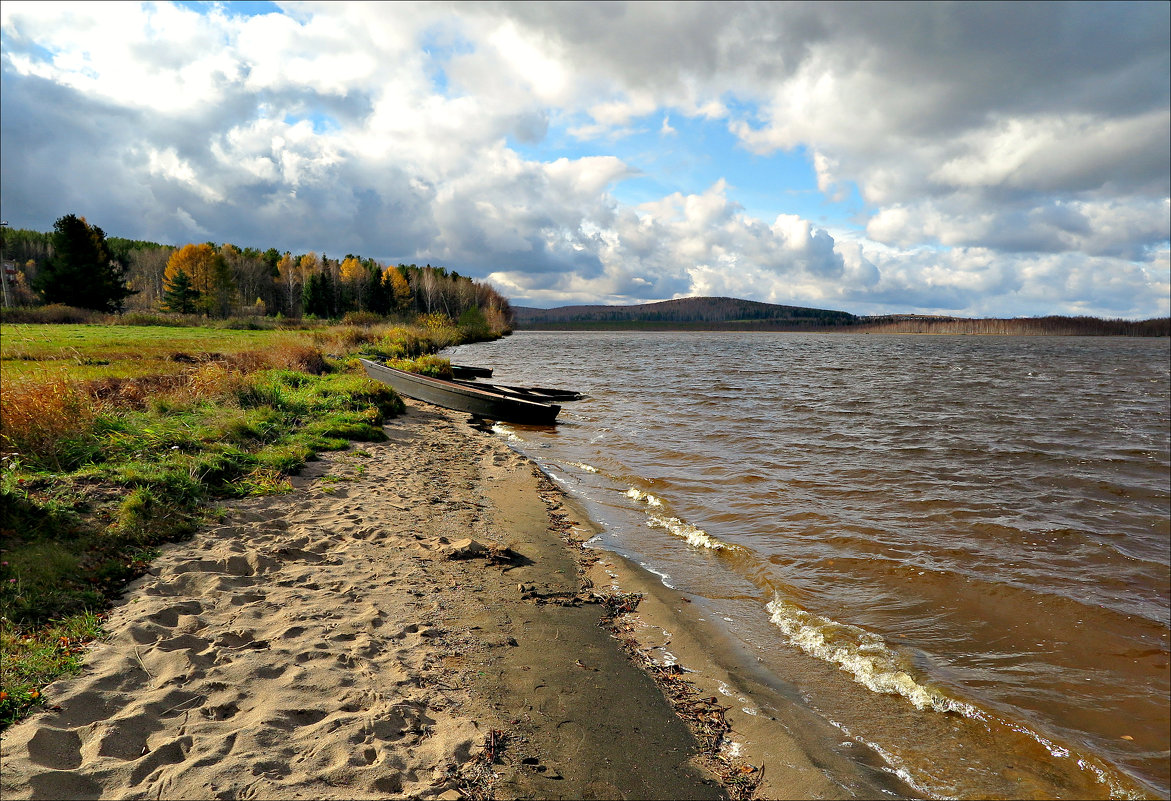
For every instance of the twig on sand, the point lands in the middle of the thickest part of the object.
(181, 705)
(476, 778)
(143, 664)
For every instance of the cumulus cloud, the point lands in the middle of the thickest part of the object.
(1012, 158)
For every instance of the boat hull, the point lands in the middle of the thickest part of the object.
(463, 371)
(463, 397)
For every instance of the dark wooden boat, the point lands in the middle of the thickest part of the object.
(465, 396)
(460, 371)
(544, 394)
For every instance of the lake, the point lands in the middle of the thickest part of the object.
(955, 548)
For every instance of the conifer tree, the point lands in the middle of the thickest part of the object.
(82, 272)
(179, 295)
(317, 294)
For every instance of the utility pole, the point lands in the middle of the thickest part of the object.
(4, 267)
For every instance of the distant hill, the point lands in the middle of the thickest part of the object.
(687, 313)
(732, 314)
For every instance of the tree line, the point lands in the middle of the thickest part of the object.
(1052, 325)
(78, 265)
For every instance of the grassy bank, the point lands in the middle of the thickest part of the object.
(115, 439)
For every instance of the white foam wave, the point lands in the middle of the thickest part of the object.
(862, 654)
(874, 665)
(589, 468)
(505, 432)
(646, 497)
(694, 536)
(894, 764)
(1116, 790)
(665, 578)
(669, 659)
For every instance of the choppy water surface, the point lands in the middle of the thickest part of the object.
(956, 549)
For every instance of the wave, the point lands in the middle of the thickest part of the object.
(877, 666)
(506, 432)
(646, 497)
(863, 654)
(692, 534)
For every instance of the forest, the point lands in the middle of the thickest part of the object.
(76, 264)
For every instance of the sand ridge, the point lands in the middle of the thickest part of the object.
(330, 643)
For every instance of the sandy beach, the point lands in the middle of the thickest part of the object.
(416, 619)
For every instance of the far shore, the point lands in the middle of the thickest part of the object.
(1024, 327)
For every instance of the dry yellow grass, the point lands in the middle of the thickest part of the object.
(46, 417)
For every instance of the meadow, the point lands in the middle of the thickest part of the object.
(89, 351)
(117, 438)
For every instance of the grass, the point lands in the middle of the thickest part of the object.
(83, 352)
(110, 446)
(433, 366)
(108, 352)
(30, 658)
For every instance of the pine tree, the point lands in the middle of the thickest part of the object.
(83, 272)
(317, 295)
(179, 295)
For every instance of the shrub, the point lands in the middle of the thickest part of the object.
(297, 356)
(172, 320)
(434, 366)
(244, 324)
(53, 313)
(345, 337)
(49, 423)
(366, 318)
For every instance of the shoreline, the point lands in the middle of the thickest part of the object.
(414, 621)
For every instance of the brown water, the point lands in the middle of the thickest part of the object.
(955, 549)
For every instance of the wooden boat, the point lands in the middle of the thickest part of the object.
(465, 396)
(544, 394)
(459, 371)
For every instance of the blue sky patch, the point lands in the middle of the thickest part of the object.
(234, 8)
(676, 153)
(322, 123)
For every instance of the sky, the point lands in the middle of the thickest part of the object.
(968, 159)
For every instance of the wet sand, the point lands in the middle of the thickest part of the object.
(417, 619)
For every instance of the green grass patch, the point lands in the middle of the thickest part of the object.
(31, 658)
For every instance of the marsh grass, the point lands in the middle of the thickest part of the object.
(434, 366)
(101, 463)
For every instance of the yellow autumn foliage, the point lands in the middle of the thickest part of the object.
(198, 262)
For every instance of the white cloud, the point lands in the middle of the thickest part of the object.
(167, 164)
(1003, 165)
